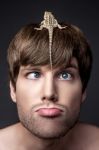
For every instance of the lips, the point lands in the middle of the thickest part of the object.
(49, 112)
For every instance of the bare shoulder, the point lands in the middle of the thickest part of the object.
(85, 136)
(87, 129)
(7, 136)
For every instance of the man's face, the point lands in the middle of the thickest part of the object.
(48, 102)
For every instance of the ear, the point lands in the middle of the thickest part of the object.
(12, 92)
(84, 96)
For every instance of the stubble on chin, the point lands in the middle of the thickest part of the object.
(47, 128)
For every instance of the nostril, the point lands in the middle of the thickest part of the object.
(43, 98)
(53, 98)
(50, 98)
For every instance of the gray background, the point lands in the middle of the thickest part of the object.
(15, 14)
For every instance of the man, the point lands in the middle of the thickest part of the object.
(49, 69)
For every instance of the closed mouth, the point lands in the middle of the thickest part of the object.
(49, 112)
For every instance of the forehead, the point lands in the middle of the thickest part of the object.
(73, 64)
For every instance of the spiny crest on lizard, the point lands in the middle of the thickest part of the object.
(50, 23)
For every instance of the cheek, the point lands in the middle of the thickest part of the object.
(27, 94)
(70, 94)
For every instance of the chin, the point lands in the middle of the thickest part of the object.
(49, 134)
(48, 130)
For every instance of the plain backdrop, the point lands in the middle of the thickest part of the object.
(15, 14)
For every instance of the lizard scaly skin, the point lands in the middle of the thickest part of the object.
(49, 23)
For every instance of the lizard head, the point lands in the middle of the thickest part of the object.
(48, 15)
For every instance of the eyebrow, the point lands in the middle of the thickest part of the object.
(30, 68)
(72, 66)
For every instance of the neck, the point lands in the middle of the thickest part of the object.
(31, 142)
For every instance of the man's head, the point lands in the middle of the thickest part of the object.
(49, 101)
(31, 47)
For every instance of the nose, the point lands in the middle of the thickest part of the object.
(49, 90)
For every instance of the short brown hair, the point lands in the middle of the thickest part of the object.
(31, 47)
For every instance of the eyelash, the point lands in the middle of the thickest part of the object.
(68, 75)
(33, 72)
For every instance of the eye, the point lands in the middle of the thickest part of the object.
(33, 75)
(65, 76)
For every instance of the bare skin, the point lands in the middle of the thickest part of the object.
(81, 137)
(84, 137)
(48, 107)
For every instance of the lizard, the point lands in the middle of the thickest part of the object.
(49, 23)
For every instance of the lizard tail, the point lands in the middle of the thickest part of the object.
(50, 48)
